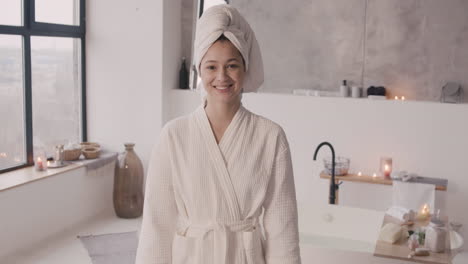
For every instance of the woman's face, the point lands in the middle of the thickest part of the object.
(222, 72)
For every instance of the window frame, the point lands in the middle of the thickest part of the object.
(32, 28)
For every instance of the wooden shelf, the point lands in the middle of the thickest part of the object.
(380, 180)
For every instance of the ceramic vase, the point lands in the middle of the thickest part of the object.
(128, 184)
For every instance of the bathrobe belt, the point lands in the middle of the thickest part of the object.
(221, 233)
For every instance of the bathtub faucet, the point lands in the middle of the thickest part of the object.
(333, 186)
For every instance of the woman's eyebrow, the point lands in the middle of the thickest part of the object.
(231, 59)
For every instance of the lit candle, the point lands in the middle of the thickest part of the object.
(424, 213)
(403, 98)
(39, 164)
(359, 174)
(387, 171)
(396, 97)
(375, 175)
(386, 166)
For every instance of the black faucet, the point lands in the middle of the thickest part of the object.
(333, 186)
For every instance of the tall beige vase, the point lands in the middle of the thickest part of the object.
(128, 184)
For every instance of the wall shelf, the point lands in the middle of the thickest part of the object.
(441, 184)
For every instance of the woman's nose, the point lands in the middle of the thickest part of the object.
(222, 75)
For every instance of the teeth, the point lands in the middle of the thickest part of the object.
(222, 87)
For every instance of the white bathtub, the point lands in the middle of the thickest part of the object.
(339, 234)
(339, 227)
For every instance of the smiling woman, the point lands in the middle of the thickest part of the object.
(217, 172)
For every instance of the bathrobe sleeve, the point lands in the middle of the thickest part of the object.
(160, 212)
(280, 218)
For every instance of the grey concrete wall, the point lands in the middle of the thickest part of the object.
(311, 44)
(188, 25)
(412, 47)
(415, 46)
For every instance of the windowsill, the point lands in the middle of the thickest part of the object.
(23, 176)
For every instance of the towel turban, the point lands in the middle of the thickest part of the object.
(225, 19)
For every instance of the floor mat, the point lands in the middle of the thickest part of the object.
(117, 248)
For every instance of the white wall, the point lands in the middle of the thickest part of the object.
(125, 72)
(35, 211)
(426, 138)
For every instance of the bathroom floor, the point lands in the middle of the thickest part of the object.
(67, 248)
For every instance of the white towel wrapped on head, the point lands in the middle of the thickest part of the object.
(225, 19)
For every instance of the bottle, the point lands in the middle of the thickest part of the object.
(183, 75)
(344, 89)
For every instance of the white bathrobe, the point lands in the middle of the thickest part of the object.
(203, 200)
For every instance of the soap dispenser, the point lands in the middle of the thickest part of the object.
(344, 89)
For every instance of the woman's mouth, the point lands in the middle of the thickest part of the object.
(223, 87)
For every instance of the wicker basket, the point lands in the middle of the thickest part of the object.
(91, 152)
(89, 144)
(71, 154)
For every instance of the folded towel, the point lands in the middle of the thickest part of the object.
(391, 233)
(401, 213)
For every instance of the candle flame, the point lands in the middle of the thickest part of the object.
(3, 155)
(387, 168)
(396, 97)
(374, 175)
(403, 98)
(359, 174)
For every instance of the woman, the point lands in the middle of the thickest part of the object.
(215, 171)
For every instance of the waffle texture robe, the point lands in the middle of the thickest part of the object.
(227, 203)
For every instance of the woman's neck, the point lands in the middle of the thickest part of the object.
(220, 113)
(220, 116)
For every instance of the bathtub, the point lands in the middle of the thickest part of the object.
(339, 234)
(339, 227)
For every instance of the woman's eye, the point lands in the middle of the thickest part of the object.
(211, 67)
(233, 66)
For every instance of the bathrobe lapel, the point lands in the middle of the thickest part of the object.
(219, 153)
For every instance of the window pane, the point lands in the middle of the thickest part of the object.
(56, 91)
(58, 11)
(11, 12)
(12, 137)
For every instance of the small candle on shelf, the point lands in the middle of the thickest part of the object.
(40, 160)
(402, 98)
(424, 213)
(386, 166)
(396, 97)
(39, 164)
(359, 174)
(387, 171)
(374, 175)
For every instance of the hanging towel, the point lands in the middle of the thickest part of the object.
(413, 196)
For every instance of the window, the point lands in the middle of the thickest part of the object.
(42, 77)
